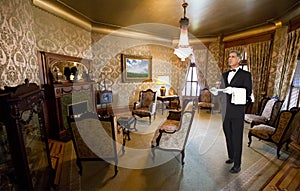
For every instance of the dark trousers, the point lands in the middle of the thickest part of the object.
(233, 130)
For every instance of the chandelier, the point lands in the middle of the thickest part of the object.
(183, 50)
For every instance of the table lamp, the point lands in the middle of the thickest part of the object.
(163, 81)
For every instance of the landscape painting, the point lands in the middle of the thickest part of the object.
(136, 68)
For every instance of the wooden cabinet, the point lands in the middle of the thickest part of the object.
(66, 82)
(25, 161)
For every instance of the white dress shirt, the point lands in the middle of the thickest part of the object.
(231, 74)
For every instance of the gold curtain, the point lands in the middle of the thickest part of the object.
(183, 74)
(285, 72)
(259, 65)
(200, 63)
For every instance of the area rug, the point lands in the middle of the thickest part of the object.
(143, 125)
(204, 167)
(257, 173)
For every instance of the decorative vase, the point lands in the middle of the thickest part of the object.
(162, 90)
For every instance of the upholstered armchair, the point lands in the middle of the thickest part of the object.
(96, 138)
(269, 113)
(173, 133)
(205, 100)
(278, 134)
(146, 106)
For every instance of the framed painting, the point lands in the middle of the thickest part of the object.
(136, 68)
(106, 97)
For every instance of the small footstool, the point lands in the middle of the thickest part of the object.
(125, 122)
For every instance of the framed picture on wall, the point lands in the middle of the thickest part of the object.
(105, 97)
(136, 68)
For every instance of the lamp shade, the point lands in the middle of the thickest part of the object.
(163, 80)
(183, 50)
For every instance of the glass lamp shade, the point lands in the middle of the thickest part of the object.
(183, 49)
(183, 53)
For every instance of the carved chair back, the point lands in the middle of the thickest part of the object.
(205, 99)
(95, 138)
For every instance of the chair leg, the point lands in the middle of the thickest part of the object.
(278, 150)
(182, 157)
(150, 119)
(250, 139)
(79, 166)
(123, 145)
(116, 167)
(287, 144)
(153, 152)
(116, 170)
(134, 125)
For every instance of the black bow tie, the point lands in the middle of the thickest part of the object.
(233, 70)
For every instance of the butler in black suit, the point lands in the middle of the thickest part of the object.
(233, 114)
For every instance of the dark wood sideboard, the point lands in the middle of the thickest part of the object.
(66, 82)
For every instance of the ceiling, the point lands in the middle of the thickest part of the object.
(208, 18)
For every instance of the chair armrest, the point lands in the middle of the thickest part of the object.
(258, 122)
(136, 105)
(167, 131)
(174, 115)
(152, 107)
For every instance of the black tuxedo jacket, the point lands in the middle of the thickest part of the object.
(242, 79)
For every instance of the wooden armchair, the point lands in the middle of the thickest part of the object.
(278, 134)
(267, 114)
(172, 135)
(205, 100)
(96, 138)
(146, 106)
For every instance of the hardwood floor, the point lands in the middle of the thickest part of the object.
(56, 155)
(288, 176)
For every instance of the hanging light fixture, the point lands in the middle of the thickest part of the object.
(183, 50)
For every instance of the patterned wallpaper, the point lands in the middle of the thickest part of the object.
(107, 52)
(18, 58)
(25, 29)
(56, 35)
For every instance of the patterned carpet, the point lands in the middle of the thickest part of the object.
(204, 168)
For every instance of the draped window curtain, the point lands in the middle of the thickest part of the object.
(183, 75)
(290, 59)
(259, 62)
(201, 67)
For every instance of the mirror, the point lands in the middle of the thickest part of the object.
(68, 71)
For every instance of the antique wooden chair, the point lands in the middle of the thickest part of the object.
(173, 133)
(267, 114)
(278, 134)
(146, 106)
(205, 100)
(96, 138)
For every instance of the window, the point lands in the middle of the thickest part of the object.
(191, 87)
(294, 94)
(244, 63)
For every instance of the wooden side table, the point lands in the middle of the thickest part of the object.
(168, 98)
(126, 122)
